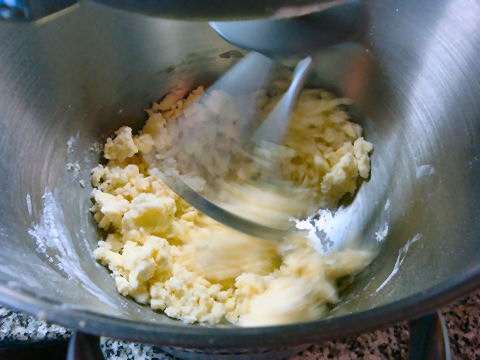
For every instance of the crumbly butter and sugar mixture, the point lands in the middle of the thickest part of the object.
(162, 251)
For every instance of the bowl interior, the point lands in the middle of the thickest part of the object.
(68, 83)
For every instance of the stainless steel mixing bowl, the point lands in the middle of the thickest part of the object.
(64, 84)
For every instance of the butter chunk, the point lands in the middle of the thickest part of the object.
(111, 206)
(122, 146)
(150, 214)
(144, 143)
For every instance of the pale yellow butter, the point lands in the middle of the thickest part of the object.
(163, 252)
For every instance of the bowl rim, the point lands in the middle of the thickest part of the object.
(203, 337)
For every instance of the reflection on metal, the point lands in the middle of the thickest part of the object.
(84, 347)
(297, 37)
(429, 338)
(31, 10)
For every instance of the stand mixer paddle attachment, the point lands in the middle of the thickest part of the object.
(227, 161)
(227, 151)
